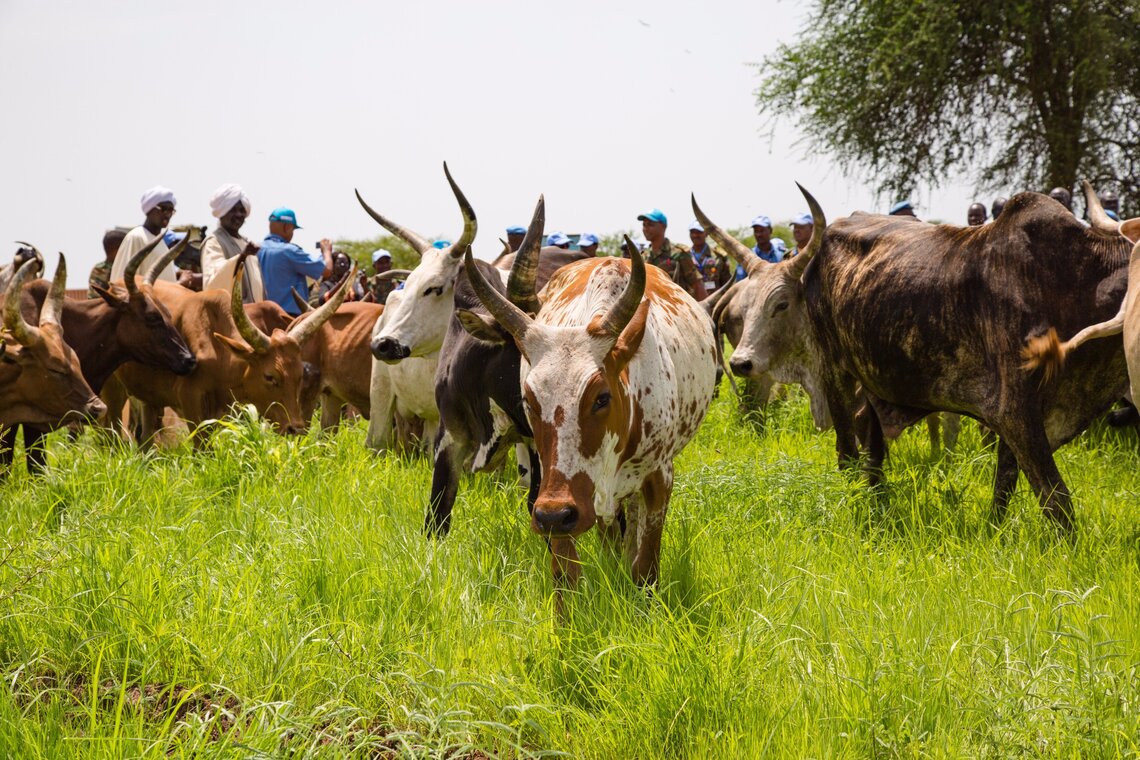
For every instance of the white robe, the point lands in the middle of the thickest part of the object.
(135, 241)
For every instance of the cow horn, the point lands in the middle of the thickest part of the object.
(302, 304)
(742, 253)
(515, 320)
(621, 312)
(524, 270)
(167, 259)
(25, 334)
(418, 244)
(470, 225)
(249, 332)
(394, 274)
(52, 310)
(39, 256)
(1100, 221)
(818, 226)
(308, 328)
(133, 265)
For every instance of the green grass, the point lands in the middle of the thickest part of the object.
(274, 597)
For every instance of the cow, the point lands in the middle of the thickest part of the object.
(477, 387)
(769, 340)
(929, 318)
(614, 388)
(106, 332)
(1050, 353)
(237, 362)
(40, 378)
(410, 333)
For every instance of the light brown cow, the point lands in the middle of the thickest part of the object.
(41, 381)
(237, 362)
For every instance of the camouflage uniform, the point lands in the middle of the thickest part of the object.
(678, 263)
(101, 276)
(715, 269)
(380, 288)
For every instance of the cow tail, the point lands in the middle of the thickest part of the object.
(1044, 351)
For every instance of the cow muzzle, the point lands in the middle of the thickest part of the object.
(95, 408)
(389, 349)
(555, 519)
(185, 364)
(741, 367)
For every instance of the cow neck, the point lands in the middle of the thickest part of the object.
(91, 328)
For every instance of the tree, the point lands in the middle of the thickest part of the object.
(360, 251)
(1033, 94)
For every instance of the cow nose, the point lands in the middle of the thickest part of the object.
(740, 367)
(96, 408)
(556, 520)
(389, 349)
(188, 364)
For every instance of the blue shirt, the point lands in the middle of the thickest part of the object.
(774, 256)
(284, 266)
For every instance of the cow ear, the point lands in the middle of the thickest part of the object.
(481, 326)
(109, 297)
(630, 339)
(237, 346)
(1130, 229)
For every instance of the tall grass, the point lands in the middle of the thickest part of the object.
(272, 596)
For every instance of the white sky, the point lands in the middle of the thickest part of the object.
(609, 108)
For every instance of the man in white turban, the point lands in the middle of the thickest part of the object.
(230, 206)
(158, 205)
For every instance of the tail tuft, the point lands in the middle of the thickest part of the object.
(1044, 351)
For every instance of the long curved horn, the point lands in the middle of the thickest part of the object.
(52, 310)
(524, 270)
(302, 304)
(308, 328)
(818, 227)
(25, 334)
(133, 265)
(166, 260)
(417, 242)
(1100, 221)
(470, 225)
(622, 311)
(394, 274)
(742, 253)
(515, 320)
(36, 251)
(249, 332)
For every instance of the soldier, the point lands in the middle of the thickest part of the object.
(558, 240)
(1062, 196)
(976, 215)
(101, 272)
(711, 262)
(802, 227)
(903, 208)
(381, 262)
(675, 259)
(588, 243)
(515, 237)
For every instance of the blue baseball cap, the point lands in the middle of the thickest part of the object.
(761, 221)
(804, 218)
(171, 239)
(557, 238)
(516, 230)
(380, 253)
(587, 238)
(283, 214)
(441, 244)
(653, 215)
(901, 206)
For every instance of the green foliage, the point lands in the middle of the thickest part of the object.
(403, 255)
(276, 597)
(1030, 94)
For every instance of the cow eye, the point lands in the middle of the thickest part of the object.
(271, 379)
(602, 401)
(434, 291)
(780, 307)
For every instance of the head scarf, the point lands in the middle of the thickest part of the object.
(156, 195)
(226, 197)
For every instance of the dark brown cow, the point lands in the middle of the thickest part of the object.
(121, 325)
(932, 317)
(40, 378)
(236, 360)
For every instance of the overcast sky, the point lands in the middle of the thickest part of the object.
(609, 108)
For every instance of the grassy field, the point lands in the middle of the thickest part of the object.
(273, 597)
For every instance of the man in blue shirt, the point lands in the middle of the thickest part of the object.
(285, 265)
(768, 248)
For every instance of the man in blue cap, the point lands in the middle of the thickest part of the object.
(558, 240)
(515, 237)
(588, 243)
(675, 259)
(768, 248)
(903, 208)
(802, 226)
(711, 261)
(285, 265)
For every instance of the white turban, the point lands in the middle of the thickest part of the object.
(156, 195)
(226, 197)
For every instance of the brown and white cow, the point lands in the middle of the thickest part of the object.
(614, 386)
(41, 381)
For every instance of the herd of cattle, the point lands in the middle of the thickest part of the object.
(600, 370)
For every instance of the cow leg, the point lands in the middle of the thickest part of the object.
(951, 425)
(1005, 481)
(1035, 458)
(932, 429)
(444, 488)
(841, 399)
(565, 567)
(876, 447)
(382, 401)
(7, 449)
(35, 451)
(655, 492)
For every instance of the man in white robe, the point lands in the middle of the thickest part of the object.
(158, 205)
(230, 206)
